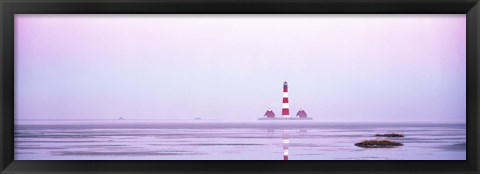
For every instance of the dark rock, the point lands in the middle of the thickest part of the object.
(381, 143)
(389, 135)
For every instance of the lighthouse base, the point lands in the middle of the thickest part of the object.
(281, 118)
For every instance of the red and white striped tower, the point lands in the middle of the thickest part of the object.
(285, 107)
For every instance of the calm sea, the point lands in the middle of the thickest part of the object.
(228, 140)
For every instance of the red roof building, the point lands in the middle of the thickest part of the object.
(301, 114)
(269, 114)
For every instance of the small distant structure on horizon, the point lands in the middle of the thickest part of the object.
(121, 118)
(197, 118)
(301, 113)
(269, 115)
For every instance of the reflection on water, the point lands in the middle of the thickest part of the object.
(285, 140)
(203, 140)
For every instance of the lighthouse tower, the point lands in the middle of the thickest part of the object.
(285, 107)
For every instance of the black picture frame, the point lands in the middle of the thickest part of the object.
(8, 8)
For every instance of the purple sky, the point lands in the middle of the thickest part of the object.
(339, 67)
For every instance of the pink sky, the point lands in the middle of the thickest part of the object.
(339, 67)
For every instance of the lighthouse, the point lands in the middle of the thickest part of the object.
(285, 107)
(269, 115)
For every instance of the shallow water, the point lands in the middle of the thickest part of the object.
(228, 140)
